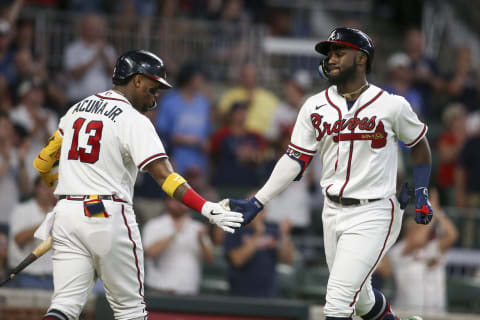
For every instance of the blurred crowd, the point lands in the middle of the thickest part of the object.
(225, 143)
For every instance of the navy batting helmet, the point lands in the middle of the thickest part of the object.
(141, 62)
(349, 37)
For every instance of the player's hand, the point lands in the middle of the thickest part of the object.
(423, 208)
(222, 217)
(51, 177)
(404, 196)
(249, 208)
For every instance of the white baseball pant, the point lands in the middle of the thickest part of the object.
(356, 238)
(86, 248)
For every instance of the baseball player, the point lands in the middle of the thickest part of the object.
(354, 126)
(101, 143)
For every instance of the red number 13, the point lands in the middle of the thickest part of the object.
(93, 141)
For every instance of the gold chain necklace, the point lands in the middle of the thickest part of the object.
(349, 95)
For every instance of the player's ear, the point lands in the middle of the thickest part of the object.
(137, 80)
(362, 58)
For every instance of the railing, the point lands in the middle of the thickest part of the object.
(219, 48)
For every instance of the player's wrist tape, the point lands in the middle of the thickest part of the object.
(421, 174)
(193, 200)
(49, 155)
(173, 181)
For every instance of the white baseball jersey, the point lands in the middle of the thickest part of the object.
(105, 142)
(358, 147)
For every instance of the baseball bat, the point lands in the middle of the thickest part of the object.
(36, 253)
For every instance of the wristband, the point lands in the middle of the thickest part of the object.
(421, 174)
(193, 200)
(173, 181)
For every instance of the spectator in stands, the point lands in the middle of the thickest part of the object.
(14, 179)
(261, 103)
(424, 68)
(89, 60)
(228, 33)
(9, 13)
(184, 121)
(24, 37)
(30, 69)
(467, 174)
(295, 89)
(400, 82)
(253, 253)
(3, 255)
(175, 247)
(25, 219)
(238, 153)
(449, 145)
(462, 84)
(39, 122)
(7, 66)
(280, 22)
(419, 265)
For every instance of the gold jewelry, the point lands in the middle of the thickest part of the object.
(349, 95)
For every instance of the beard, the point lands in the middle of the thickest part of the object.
(146, 107)
(343, 76)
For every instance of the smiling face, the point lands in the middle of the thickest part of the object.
(343, 63)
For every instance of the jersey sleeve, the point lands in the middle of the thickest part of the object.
(407, 126)
(61, 125)
(303, 138)
(142, 142)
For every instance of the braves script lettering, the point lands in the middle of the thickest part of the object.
(378, 136)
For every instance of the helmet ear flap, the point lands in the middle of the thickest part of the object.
(323, 69)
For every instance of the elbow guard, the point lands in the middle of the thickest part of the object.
(49, 155)
(301, 158)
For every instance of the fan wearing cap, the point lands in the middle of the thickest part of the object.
(101, 143)
(354, 127)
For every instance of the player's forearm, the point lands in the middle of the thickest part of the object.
(420, 153)
(174, 184)
(282, 175)
(422, 163)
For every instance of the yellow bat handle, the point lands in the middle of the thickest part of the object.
(43, 247)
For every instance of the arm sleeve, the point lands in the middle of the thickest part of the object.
(142, 142)
(304, 139)
(282, 175)
(49, 154)
(407, 126)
